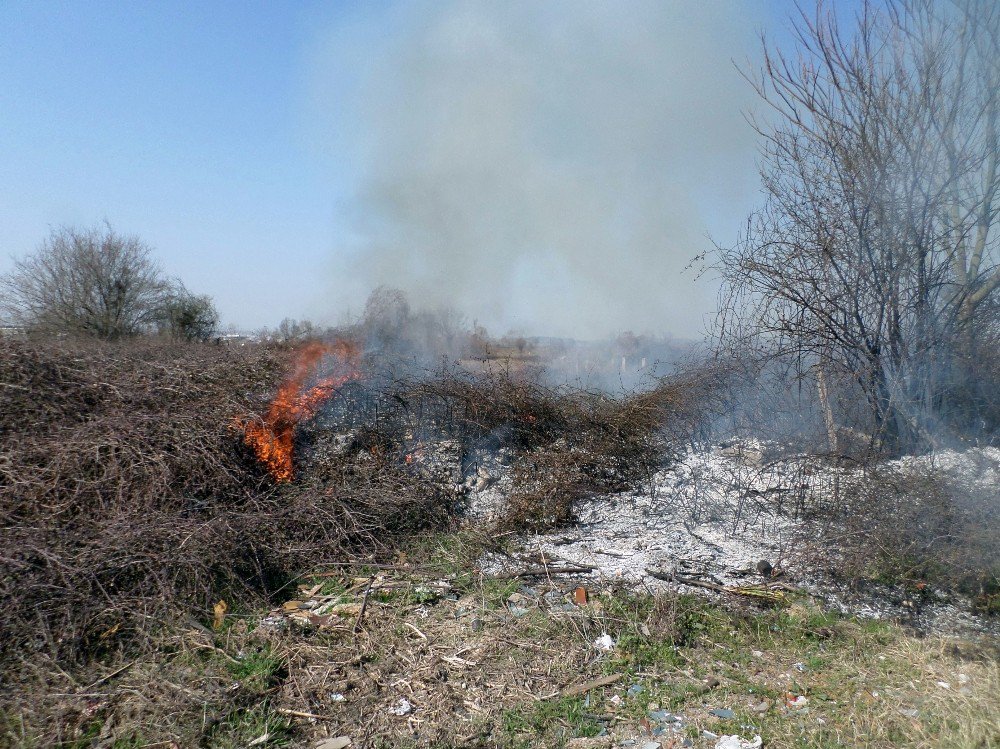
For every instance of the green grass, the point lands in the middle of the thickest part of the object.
(244, 725)
(553, 721)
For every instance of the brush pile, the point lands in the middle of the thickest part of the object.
(129, 498)
(557, 444)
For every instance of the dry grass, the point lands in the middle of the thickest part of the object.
(962, 716)
(484, 667)
(129, 503)
(127, 496)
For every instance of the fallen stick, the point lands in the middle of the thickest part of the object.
(543, 571)
(672, 578)
(422, 635)
(587, 686)
(756, 592)
(300, 714)
(364, 606)
(109, 676)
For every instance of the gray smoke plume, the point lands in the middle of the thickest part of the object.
(553, 167)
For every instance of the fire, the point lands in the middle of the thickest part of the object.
(297, 400)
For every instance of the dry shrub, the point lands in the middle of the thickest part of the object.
(607, 445)
(934, 526)
(567, 443)
(127, 496)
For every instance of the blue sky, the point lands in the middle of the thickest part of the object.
(227, 134)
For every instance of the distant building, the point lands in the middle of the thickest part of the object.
(236, 339)
(11, 331)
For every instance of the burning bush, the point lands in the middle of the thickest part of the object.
(127, 496)
(136, 484)
(299, 398)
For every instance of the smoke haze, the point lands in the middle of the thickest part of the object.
(550, 167)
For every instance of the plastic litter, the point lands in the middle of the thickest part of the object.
(403, 707)
(604, 642)
(738, 742)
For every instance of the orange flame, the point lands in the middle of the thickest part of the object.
(273, 438)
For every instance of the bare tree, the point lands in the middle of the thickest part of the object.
(875, 257)
(386, 318)
(291, 330)
(92, 282)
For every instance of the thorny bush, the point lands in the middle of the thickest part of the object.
(128, 497)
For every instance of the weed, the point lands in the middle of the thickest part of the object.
(243, 726)
(257, 669)
(496, 591)
(548, 720)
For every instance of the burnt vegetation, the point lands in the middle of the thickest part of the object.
(859, 328)
(562, 443)
(130, 498)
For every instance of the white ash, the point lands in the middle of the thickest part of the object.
(718, 513)
(693, 523)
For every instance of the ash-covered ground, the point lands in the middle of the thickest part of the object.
(729, 517)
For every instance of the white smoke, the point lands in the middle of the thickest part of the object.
(548, 166)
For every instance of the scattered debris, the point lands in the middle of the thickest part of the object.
(340, 742)
(737, 742)
(604, 642)
(707, 685)
(219, 614)
(722, 712)
(403, 707)
(596, 742)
